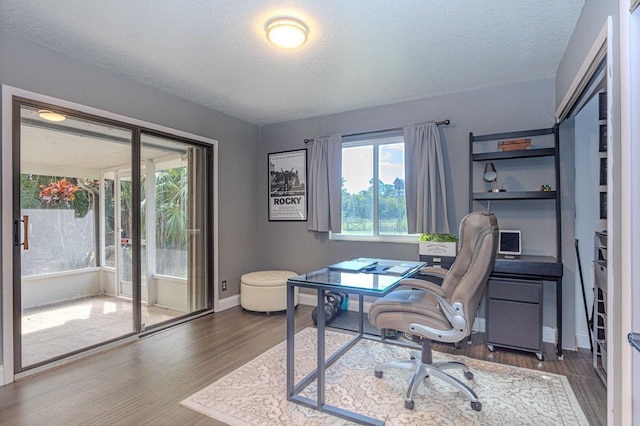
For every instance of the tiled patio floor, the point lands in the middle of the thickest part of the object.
(54, 330)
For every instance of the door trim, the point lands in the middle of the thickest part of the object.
(6, 229)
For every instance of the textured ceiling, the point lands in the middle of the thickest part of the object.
(360, 53)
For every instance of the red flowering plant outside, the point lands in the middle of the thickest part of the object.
(60, 191)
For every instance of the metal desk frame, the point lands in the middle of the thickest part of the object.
(318, 374)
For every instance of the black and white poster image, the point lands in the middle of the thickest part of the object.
(288, 185)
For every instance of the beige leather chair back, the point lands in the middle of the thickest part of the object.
(466, 280)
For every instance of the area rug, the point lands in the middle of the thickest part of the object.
(255, 394)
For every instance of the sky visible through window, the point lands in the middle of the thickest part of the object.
(357, 166)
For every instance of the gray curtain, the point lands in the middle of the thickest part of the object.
(424, 179)
(325, 185)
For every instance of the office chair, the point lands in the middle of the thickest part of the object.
(441, 313)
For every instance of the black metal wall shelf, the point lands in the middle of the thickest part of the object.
(508, 155)
(515, 195)
(550, 267)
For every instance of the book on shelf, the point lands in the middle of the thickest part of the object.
(514, 145)
(505, 148)
(515, 142)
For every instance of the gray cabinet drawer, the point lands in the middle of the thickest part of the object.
(517, 291)
(515, 325)
(514, 314)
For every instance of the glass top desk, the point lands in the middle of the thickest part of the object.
(375, 284)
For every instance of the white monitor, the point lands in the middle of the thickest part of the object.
(509, 243)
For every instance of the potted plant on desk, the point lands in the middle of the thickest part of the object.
(438, 245)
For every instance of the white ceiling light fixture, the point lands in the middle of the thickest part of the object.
(50, 115)
(287, 33)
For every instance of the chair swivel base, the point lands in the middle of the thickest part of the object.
(435, 369)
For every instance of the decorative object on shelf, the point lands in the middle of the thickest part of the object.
(514, 145)
(288, 185)
(438, 244)
(545, 188)
(490, 175)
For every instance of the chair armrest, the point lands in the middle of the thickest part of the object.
(432, 270)
(454, 313)
(423, 285)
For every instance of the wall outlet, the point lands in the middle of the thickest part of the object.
(224, 285)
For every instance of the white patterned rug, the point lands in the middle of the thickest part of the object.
(255, 394)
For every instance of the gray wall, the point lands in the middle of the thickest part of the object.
(592, 18)
(30, 67)
(510, 107)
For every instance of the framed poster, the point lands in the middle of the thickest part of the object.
(288, 185)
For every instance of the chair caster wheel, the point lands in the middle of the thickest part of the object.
(409, 405)
(378, 374)
(468, 375)
(476, 405)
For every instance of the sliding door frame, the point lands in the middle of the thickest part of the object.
(8, 169)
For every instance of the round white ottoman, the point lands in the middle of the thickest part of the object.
(266, 291)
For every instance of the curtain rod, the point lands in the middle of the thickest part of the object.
(438, 123)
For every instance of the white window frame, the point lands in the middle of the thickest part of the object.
(375, 140)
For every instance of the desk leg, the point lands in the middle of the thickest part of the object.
(291, 317)
(559, 316)
(361, 311)
(320, 355)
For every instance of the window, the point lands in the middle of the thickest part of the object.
(171, 221)
(61, 223)
(373, 210)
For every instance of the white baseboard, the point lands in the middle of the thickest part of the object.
(548, 333)
(228, 302)
(582, 340)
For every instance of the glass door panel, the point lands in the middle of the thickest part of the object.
(66, 282)
(173, 214)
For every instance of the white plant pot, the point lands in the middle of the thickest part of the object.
(431, 248)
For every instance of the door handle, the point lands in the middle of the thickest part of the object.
(25, 232)
(25, 229)
(634, 340)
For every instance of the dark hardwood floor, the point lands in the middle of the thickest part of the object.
(143, 382)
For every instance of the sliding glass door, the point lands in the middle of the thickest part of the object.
(111, 231)
(173, 213)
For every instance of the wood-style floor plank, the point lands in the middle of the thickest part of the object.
(143, 382)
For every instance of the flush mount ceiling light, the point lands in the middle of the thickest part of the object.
(50, 115)
(287, 33)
